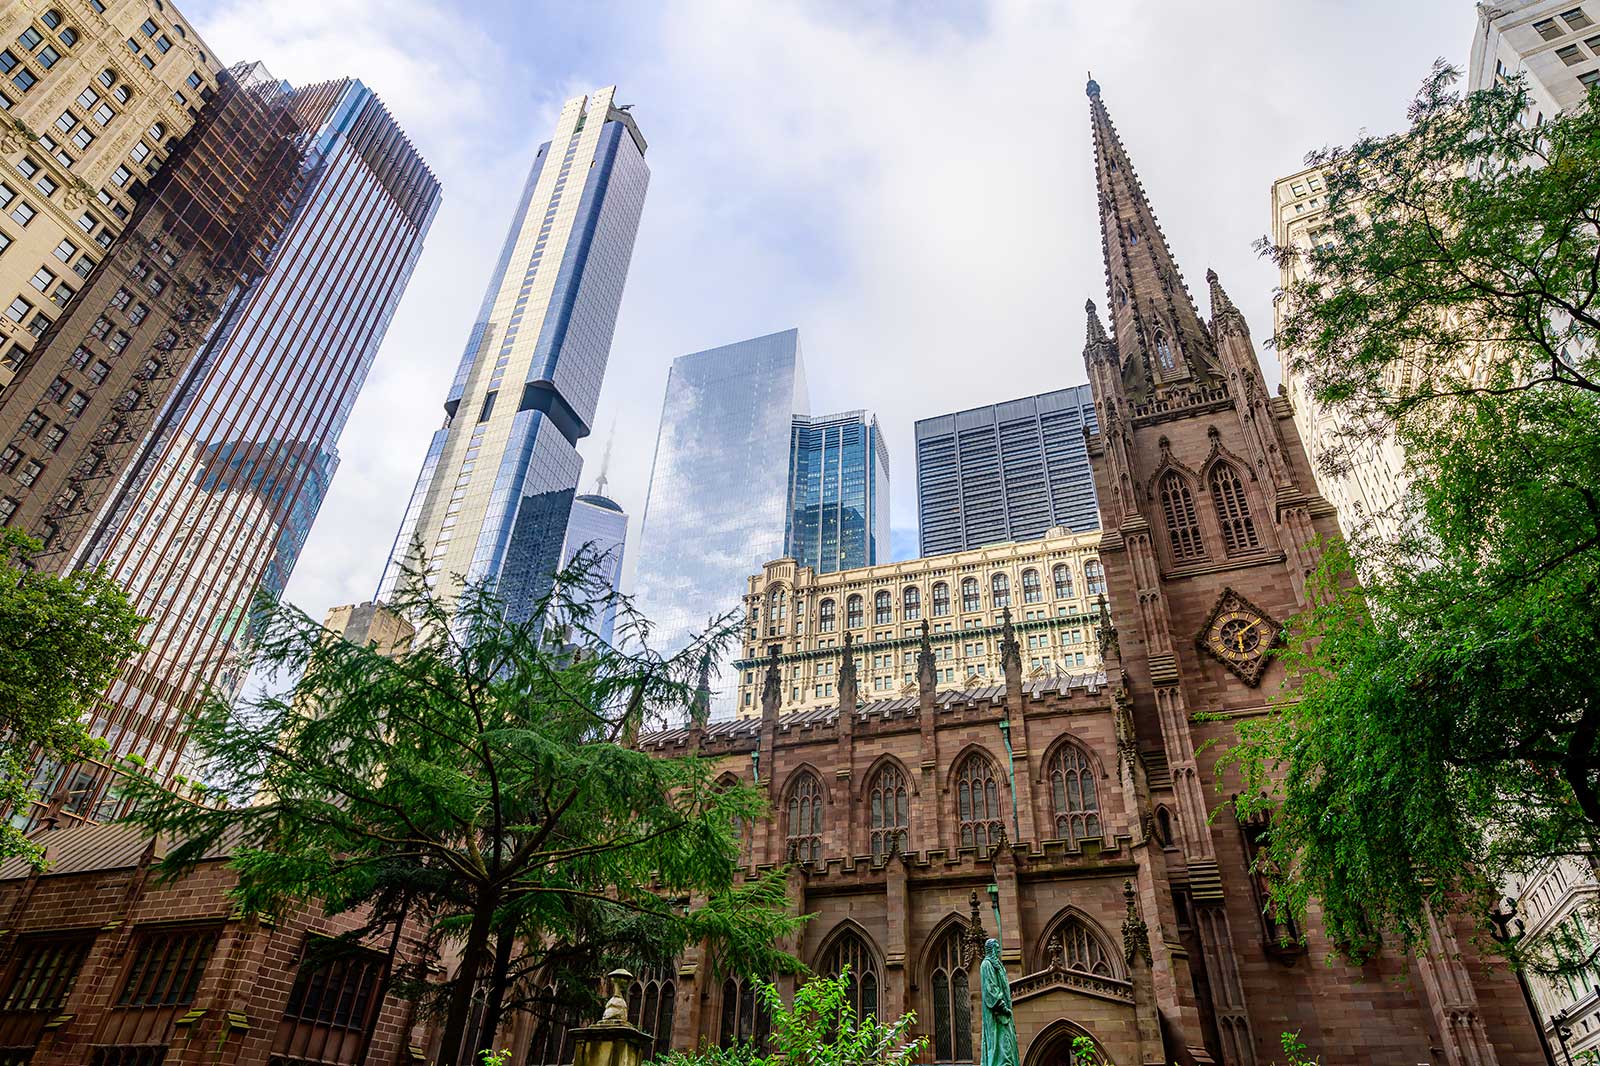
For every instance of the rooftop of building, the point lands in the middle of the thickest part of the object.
(594, 499)
(91, 848)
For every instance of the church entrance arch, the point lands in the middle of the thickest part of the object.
(1053, 1047)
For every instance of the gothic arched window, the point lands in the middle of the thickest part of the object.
(941, 599)
(744, 1014)
(1073, 794)
(1062, 577)
(952, 1000)
(911, 603)
(853, 617)
(978, 802)
(1082, 949)
(1001, 586)
(652, 1001)
(552, 1036)
(890, 802)
(1032, 588)
(1164, 356)
(850, 950)
(827, 616)
(882, 609)
(1233, 510)
(969, 594)
(1183, 527)
(1094, 578)
(804, 830)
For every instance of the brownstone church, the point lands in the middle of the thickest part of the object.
(1074, 820)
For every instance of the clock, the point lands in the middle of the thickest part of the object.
(1238, 634)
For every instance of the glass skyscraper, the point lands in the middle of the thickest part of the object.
(1009, 471)
(497, 484)
(838, 515)
(601, 525)
(718, 502)
(222, 495)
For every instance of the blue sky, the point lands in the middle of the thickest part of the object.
(909, 183)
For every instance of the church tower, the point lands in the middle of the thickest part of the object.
(1211, 521)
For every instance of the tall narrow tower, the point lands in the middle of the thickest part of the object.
(497, 484)
(1211, 518)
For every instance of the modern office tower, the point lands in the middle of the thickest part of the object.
(802, 616)
(222, 495)
(73, 420)
(600, 525)
(718, 499)
(1556, 43)
(1005, 472)
(838, 516)
(91, 106)
(497, 483)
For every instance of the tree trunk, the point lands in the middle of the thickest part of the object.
(451, 1053)
(494, 1007)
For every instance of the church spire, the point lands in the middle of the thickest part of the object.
(1161, 338)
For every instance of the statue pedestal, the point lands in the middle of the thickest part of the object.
(610, 1044)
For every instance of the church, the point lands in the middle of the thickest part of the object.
(1076, 819)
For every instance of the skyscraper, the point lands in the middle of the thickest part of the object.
(1005, 472)
(221, 496)
(497, 483)
(716, 509)
(599, 524)
(838, 516)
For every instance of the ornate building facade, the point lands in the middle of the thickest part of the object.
(1077, 819)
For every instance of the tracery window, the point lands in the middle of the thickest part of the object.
(1082, 950)
(1001, 586)
(652, 1001)
(1233, 510)
(969, 594)
(853, 615)
(850, 950)
(882, 609)
(804, 831)
(978, 802)
(1062, 577)
(744, 1015)
(890, 802)
(911, 603)
(1094, 578)
(952, 1000)
(552, 1042)
(941, 599)
(1032, 588)
(827, 616)
(1073, 794)
(1164, 356)
(1183, 527)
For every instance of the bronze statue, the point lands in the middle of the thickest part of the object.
(999, 1028)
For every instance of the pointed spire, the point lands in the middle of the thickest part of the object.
(1010, 650)
(605, 461)
(847, 675)
(771, 689)
(1097, 332)
(927, 676)
(1224, 316)
(700, 709)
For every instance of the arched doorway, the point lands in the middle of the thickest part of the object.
(1054, 1047)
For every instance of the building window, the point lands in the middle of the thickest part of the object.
(1062, 576)
(1000, 585)
(941, 599)
(45, 967)
(911, 603)
(167, 968)
(978, 802)
(969, 595)
(652, 1002)
(339, 993)
(882, 609)
(1073, 794)
(744, 1014)
(1081, 949)
(1094, 578)
(8, 508)
(23, 213)
(952, 1000)
(10, 458)
(891, 811)
(1032, 587)
(804, 836)
(1183, 528)
(849, 950)
(1233, 510)
(1277, 924)
(827, 616)
(552, 1034)
(1164, 356)
(854, 616)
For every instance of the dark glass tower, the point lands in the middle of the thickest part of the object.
(497, 484)
(1008, 471)
(838, 516)
(600, 525)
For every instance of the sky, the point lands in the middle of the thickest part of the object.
(909, 183)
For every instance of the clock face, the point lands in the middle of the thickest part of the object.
(1239, 636)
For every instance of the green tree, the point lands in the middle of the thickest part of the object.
(1441, 726)
(482, 781)
(820, 1028)
(62, 641)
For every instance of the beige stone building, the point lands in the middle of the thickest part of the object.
(1050, 586)
(1556, 43)
(94, 94)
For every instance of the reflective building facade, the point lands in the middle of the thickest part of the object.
(500, 475)
(600, 524)
(1006, 472)
(223, 494)
(838, 492)
(718, 503)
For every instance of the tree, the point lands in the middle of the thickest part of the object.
(1440, 729)
(62, 641)
(482, 780)
(820, 1029)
